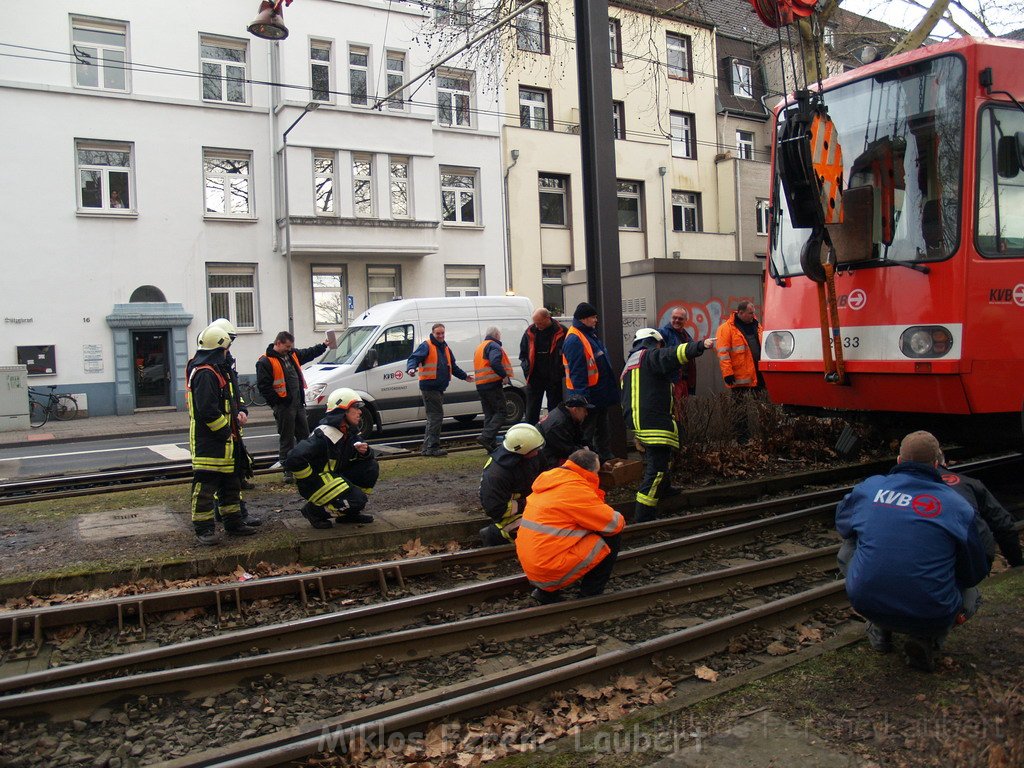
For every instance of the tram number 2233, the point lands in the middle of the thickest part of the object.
(851, 342)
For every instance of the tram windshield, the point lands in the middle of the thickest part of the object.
(1001, 182)
(901, 134)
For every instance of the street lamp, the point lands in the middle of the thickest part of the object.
(287, 213)
(269, 22)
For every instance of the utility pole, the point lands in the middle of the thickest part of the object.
(600, 189)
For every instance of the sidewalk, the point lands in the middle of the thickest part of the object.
(100, 427)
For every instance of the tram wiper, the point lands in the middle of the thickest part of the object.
(922, 268)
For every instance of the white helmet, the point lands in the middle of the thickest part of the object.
(648, 333)
(344, 399)
(523, 438)
(214, 337)
(224, 324)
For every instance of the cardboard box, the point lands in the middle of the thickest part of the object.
(625, 472)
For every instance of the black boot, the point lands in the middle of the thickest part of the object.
(492, 537)
(206, 534)
(354, 517)
(644, 514)
(317, 517)
(235, 526)
(250, 521)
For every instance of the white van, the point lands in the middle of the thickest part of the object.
(371, 356)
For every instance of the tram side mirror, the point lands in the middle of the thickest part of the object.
(1010, 155)
(370, 361)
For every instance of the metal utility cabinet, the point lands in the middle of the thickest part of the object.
(13, 398)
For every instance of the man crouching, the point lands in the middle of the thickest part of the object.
(334, 468)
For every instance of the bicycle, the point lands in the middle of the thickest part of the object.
(251, 395)
(61, 407)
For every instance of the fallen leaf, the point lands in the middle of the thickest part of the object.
(778, 649)
(808, 635)
(706, 673)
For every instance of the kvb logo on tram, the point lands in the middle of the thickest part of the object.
(855, 299)
(923, 504)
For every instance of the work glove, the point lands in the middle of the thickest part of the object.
(730, 380)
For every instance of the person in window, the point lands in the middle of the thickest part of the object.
(115, 199)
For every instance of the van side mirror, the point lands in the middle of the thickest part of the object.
(370, 361)
(1010, 155)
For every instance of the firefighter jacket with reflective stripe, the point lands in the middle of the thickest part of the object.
(734, 355)
(212, 426)
(560, 536)
(587, 370)
(918, 544)
(507, 477)
(491, 365)
(280, 386)
(547, 345)
(433, 370)
(319, 462)
(647, 382)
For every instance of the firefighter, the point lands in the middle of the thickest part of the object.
(562, 429)
(647, 383)
(568, 534)
(508, 474)
(334, 468)
(213, 432)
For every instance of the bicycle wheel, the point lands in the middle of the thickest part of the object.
(253, 396)
(37, 413)
(66, 408)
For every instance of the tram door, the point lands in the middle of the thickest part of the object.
(152, 370)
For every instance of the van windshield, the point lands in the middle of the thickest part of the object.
(349, 344)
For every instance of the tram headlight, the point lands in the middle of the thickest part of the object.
(779, 345)
(926, 341)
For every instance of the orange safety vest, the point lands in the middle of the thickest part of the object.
(588, 353)
(483, 373)
(560, 535)
(428, 368)
(280, 386)
(734, 355)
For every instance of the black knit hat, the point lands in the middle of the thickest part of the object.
(583, 311)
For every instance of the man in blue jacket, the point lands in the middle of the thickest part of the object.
(588, 374)
(913, 552)
(684, 382)
(434, 364)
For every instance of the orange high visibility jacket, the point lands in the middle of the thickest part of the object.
(483, 372)
(734, 355)
(428, 368)
(588, 354)
(280, 386)
(559, 541)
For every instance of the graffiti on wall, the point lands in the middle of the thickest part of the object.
(705, 317)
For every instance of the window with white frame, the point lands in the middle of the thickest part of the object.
(362, 185)
(535, 109)
(829, 36)
(101, 53)
(763, 212)
(232, 292)
(615, 42)
(619, 119)
(223, 63)
(678, 56)
(554, 200)
(455, 12)
(395, 78)
(330, 295)
(553, 291)
(684, 138)
(686, 211)
(742, 79)
(383, 283)
(532, 29)
(324, 183)
(358, 74)
(320, 70)
(458, 196)
(226, 181)
(399, 187)
(454, 96)
(461, 281)
(745, 144)
(630, 194)
(105, 178)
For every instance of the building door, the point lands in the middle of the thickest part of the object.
(152, 369)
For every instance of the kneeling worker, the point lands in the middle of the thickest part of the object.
(562, 429)
(568, 534)
(508, 474)
(647, 408)
(334, 468)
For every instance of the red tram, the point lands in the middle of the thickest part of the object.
(927, 254)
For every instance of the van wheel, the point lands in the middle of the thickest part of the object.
(368, 421)
(515, 406)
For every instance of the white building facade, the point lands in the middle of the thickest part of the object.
(154, 191)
